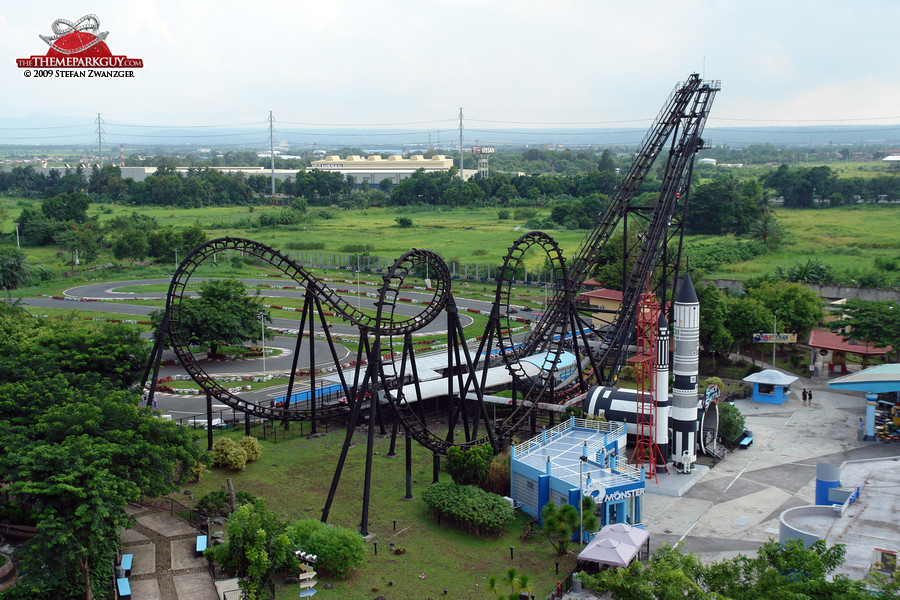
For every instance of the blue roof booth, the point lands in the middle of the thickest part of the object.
(771, 386)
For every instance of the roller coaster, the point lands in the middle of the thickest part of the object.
(384, 378)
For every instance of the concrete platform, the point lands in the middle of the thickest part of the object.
(144, 558)
(165, 524)
(130, 535)
(194, 586)
(184, 554)
(674, 483)
(146, 589)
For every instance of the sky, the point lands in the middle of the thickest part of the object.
(507, 64)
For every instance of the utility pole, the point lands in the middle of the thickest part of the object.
(461, 178)
(272, 148)
(99, 123)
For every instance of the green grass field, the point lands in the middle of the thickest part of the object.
(844, 238)
(293, 476)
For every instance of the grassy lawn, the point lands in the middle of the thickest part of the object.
(844, 238)
(293, 476)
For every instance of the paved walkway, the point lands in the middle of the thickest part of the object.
(165, 566)
(734, 507)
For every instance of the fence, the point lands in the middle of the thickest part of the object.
(562, 587)
(267, 430)
(174, 507)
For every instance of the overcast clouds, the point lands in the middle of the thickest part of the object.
(579, 62)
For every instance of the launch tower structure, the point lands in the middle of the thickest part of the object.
(652, 353)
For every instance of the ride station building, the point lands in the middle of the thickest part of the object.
(578, 456)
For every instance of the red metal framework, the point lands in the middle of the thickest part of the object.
(644, 365)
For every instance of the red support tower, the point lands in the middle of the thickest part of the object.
(644, 365)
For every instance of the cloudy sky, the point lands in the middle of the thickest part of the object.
(512, 63)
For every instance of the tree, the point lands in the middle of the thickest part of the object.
(67, 207)
(797, 307)
(14, 270)
(779, 571)
(254, 549)
(131, 244)
(222, 313)
(731, 421)
(338, 550)
(767, 230)
(469, 466)
(746, 316)
(561, 523)
(877, 323)
(77, 450)
(714, 334)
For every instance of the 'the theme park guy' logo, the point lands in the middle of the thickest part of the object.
(78, 45)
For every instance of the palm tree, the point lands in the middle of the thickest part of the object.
(14, 269)
(523, 582)
(494, 586)
(510, 579)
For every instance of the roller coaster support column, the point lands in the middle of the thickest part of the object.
(370, 444)
(310, 301)
(436, 466)
(209, 436)
(391, 451)
(156, 358)
(247, 424)
(409, 495)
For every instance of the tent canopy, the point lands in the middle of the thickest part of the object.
(615, 545)
(879, 379)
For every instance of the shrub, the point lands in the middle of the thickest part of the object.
(469, 508)
(226, 453)
(251, 446)
(339, 550)
(218, 502)
(497, 480)
(196, 470)
(469, 466)
(404, 222)
(731, 421)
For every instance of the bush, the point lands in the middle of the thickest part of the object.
(196, 470)
(251, 446)
(497, 480)
(469, 466)
(226, 453)
(731, 421)
(218, 503)
(339, 550)
(469, 508)
(404, 222)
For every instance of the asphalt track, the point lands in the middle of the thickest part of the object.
(110, 300)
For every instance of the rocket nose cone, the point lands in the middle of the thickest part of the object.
(686, 293)
(662, 322)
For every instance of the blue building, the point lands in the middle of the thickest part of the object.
(770, 386)
(578, 454)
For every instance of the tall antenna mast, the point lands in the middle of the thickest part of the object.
(461, 178)
(99, 123)
(272, 148)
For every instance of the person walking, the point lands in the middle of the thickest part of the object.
(809, 398)
(804, 396)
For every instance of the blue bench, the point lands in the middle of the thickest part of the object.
(126, 563)
(201, 544)
(745, 443)
(123, 588)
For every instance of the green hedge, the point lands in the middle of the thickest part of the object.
(469, 508)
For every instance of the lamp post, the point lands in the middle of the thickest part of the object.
(357, 290)
(775, 335)
(581, 499)
(262, 327)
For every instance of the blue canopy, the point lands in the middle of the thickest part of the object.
(879, 379)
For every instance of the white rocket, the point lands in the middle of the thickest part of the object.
(661, 387)
(685, 366)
